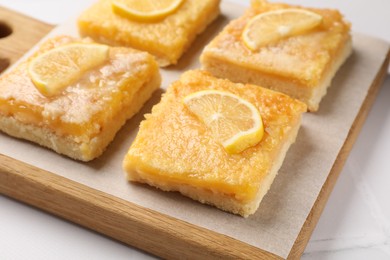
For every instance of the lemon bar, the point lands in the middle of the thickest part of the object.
(166, 38)
(82, 119)
(174, 151)
(301, 65)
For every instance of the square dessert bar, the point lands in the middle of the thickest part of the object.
(167, 38)
(83, 119)
(173, 151)
(301, 66)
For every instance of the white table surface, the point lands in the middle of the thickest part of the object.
(354, 225)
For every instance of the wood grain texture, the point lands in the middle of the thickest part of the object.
(136, 226)
(124, 221)
(140, 227)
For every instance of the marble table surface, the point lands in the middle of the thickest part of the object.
(354, 225)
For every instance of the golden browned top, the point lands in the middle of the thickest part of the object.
(170, 34)
(174, 144)
(304, 58)
(83, 106)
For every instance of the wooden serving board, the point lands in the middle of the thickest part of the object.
(147, 229)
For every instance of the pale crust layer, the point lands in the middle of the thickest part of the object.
(300, 66)
(226, 202)
(311, 96)
(175, 152)
(83, 119)
(70, 145)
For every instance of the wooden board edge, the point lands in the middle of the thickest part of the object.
(119, 219)
(171, 238)
(315, 213)
(22, 37)
(129, 223)
(136, 226)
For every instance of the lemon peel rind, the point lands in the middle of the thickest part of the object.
(152, 16)
(51, 90)
(233, 145)
(252, 45)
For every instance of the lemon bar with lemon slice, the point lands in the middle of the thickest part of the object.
(291, 49)
(165, 28)
(74, 95)
(217, 142)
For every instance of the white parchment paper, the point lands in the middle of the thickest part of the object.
(285, 208)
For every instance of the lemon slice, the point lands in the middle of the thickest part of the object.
(57, 68)
(145, 10)
(234, 122)
(272, 26)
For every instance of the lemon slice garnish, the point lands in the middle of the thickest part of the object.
(272, 26)
(234, 122)
(57, 68)
(145, 10)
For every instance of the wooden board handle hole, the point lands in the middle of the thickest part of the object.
(5, 29)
